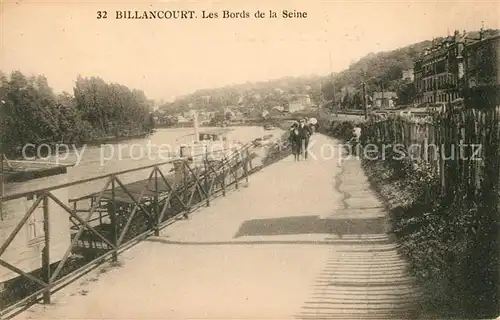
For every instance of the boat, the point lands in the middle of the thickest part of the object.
(211, 144)
(269, 127)
(263, 141)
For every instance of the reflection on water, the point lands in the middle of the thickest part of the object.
(93, 161)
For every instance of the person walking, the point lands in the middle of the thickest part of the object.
(355, 140)
(294, 140)
(304, 135)
(313, 124)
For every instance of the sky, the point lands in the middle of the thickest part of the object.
(167, 58)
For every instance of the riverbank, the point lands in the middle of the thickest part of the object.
(93, 161)
(44, 150)
(115, 139)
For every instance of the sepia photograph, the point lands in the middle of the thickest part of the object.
(274, 160)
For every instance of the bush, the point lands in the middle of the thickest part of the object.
(341, 130)
(437, 235)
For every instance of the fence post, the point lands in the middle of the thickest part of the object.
(207, 182)
(235, 170)
(245, 164)
(46, 250)
(157, 204)
(442, 151)
(223, 178)
(114, 220)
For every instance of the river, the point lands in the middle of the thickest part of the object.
(94, 161)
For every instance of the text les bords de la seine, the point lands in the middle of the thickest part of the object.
(203, 14)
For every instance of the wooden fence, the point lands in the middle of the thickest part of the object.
(461, 146)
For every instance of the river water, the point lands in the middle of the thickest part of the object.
(94, 161)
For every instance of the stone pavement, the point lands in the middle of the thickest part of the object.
(305, 240)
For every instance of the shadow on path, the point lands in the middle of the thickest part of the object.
(311, 225)
(266, 242)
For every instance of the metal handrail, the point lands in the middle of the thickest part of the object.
(209, 183)
(4, 198)
(215, 178)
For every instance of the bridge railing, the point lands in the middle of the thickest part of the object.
(54, 240)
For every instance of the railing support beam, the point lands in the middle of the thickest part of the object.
(114, 220)
(157, 204)
(46, 250)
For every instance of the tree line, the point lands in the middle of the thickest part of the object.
(379, 71)
(30, 112)
(259, 95)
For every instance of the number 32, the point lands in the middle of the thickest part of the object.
(102, 14)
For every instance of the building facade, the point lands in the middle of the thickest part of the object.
(482, 73)
(460, 67)
(303, 99)
(439, 71)
(294, 107)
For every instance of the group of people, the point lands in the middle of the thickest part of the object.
(300, 134)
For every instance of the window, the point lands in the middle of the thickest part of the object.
(35, 221)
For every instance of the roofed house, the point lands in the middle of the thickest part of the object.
(294, 107)
(384, 99)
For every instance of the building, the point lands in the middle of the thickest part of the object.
(294, 107)
(25, 251)
(183, 120)
(303, 99)
(462, 66)
(439, 71)
(385, 99)
(408, 75)
(482, 73)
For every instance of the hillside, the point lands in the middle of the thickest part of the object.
(381, 70)
(384, 71)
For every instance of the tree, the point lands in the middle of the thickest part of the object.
(30, 112)
(405, 90)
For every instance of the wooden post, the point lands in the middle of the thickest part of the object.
(223, 179)
(46, 250)
(157, 204)
(206, 185)
(235, 170)
(245, 164)
(114, 220)
(442, 153)
(364, 101)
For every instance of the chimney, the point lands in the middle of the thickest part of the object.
(481, 32)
